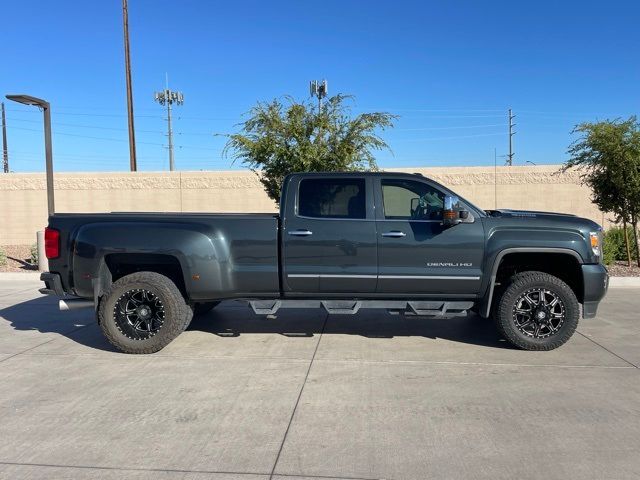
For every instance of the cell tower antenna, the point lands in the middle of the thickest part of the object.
(168, 97)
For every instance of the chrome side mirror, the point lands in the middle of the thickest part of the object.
(454, 212)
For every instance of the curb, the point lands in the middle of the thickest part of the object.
(624, 282)
(19, 276)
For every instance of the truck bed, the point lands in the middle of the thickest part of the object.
(233, 254)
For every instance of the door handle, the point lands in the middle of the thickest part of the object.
(394, 234)
(300, 233)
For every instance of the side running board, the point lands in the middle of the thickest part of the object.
(443, 309)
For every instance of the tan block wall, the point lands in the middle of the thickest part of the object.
(23, 206)
(540, 187)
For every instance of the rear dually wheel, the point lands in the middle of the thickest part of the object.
(143, 312)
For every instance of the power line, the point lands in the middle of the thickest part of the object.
(458, 110)
(85, 136)
(84, 114)
(452, 116)
(567, 114)
(448, 138)
(98, 127)
(94, 127)
(192, 147)
(456, 113)
(92, 137)
(450, 128)
(37, 156)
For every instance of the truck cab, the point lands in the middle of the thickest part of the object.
(380, 235)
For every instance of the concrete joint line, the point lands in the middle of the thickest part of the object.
(41, 344)
(606, 349)
(16, 293)
(171, 470)
(295, 407)
(126, 469)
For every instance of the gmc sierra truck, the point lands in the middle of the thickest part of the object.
(342, 242)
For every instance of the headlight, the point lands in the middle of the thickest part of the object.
(595, 243)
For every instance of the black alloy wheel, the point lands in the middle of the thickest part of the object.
(139, 314)
(538, 313)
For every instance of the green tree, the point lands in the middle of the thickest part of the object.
(608, 153)
(281, 138)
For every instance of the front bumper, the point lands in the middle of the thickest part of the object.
(53, 284)
(596, 282)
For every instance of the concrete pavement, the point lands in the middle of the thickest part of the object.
(307, 396)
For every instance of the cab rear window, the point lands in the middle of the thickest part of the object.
(332, 198)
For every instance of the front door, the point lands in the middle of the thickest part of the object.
(416, 253)
(329, 236)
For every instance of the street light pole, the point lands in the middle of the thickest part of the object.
(48, 150)
(48, 154)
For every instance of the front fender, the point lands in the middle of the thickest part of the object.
(501, 242)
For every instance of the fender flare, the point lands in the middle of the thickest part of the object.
(94, 241)
(485, 308)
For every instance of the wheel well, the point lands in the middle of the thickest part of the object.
(562, 265)
(122, 264)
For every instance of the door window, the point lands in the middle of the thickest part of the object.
(332, 198)
(411, 200)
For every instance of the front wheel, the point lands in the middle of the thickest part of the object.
(143, 312)
(537, 311)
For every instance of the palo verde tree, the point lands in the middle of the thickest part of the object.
(286, 137)
(608, 153)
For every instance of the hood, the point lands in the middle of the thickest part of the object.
(547, 229)
(504, 212)
(551, 218)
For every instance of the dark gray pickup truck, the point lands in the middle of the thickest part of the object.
(342, 241)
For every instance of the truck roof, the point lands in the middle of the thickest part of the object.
(360, 174)
(478, 210)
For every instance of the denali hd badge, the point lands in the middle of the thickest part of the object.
(449, 264)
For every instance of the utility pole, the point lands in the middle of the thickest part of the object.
(5, 152)
(167, 97)
(320, 90)
(511, 134)
(495, 178)
(127, 66)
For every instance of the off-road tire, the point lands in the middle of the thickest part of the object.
(202, 308)
(177, 314)
(517, 286)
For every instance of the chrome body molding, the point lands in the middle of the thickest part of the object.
(314, 275)
(384, 277)
(428, 277)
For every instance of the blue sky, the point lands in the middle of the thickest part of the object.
(450, 69)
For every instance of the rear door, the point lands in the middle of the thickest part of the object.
(416, 253)
(329, 235)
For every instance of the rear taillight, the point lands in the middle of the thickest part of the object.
(51, 243)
